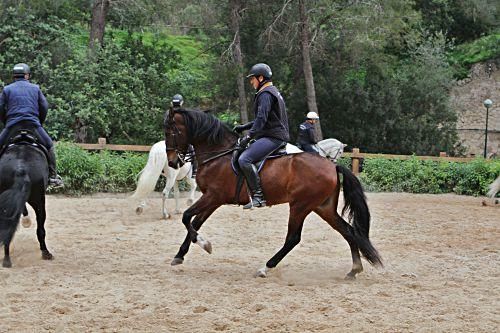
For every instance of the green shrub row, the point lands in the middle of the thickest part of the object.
(106, 171)
(85, 172)
(417, 176)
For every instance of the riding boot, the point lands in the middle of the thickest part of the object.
(253, 181)
(54, 179)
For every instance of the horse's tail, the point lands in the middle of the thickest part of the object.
(359, 215)
(12, 203)
(152, 171)
(494, 188)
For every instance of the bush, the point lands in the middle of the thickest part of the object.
(416, 176)
(84, 172)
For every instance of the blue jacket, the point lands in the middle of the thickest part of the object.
(306, 134)
(22, 101)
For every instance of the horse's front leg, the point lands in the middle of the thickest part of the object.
(25, 219)
(202, 209)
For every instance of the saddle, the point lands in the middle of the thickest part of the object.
(24, 137)
(278, 152)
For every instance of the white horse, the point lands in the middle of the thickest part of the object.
(331, 148)
(157, 165)
(494, 189)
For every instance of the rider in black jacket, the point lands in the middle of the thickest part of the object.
(269, 129)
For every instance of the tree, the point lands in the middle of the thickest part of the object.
(307, 67)
(100, 9)
(236, 9)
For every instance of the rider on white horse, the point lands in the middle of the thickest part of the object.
(307, 134)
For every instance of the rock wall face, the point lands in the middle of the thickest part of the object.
(467, 100)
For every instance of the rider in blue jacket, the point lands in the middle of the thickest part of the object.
(307, 135)
(269, 130)
(22, 102)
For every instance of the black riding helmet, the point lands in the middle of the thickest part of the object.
(261, 69)
(177, 100)
(20, 70)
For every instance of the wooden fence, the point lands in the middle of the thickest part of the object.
(356, 156)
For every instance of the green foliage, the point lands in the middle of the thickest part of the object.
(418, 176)
(85, 172)
(464, 55)
(82, 172)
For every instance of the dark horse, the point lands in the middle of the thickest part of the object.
(23, 179)
(309, 183)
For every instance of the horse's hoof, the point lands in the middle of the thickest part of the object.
(166, 216)
(139, 210)
(177, 261)
(204, 244)
(7, 263)
(178, 211)
(189, 202)
(351, 276)
(262, 273)
(46, 255)
(26, 221)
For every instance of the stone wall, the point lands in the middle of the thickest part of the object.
(467, 99)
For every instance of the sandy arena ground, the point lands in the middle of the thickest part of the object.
(112, 271)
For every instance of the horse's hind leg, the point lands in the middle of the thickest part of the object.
(295, 222)
(192, 189)
(39, 208)
(176, 196)
(169, 182)
(6, 259)
(328, 213)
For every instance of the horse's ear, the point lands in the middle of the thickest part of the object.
(207, 111)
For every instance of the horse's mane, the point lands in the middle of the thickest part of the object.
(202, 125)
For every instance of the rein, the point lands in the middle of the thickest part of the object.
(220, 154)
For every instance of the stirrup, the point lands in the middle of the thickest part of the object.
(56, 181)
(255, 202)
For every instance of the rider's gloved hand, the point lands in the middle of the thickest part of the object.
(245, 140)
(239, 128)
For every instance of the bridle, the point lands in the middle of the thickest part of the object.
(184, 156)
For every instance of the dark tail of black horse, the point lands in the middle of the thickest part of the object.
(359, 214)
(12, 203)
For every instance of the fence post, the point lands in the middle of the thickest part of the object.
(101, 142)
(355, 161)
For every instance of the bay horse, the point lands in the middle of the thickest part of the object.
(308, 182)
(23, 179)
(157, 165)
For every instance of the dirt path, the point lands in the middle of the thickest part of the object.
(112, 271)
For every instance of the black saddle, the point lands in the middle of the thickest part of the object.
(278, 152)
(24, 137)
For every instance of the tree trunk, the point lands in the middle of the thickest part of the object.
(238, 59)
(98, 23)
(307, 67)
